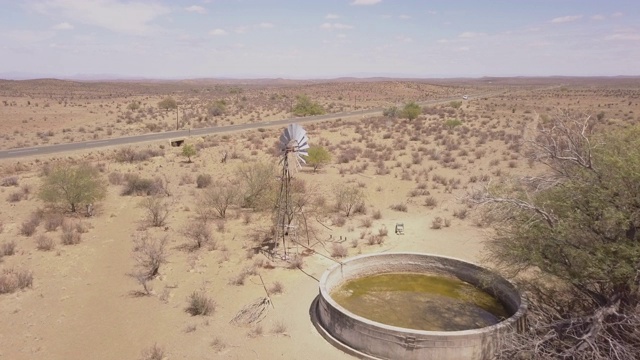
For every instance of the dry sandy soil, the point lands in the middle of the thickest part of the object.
(83, 303)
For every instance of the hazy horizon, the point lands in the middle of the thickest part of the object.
(250, 39)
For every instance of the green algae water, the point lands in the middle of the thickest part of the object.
(420, 302)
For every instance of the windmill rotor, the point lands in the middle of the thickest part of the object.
(294, 141)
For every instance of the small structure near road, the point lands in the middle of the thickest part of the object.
(399, 229)
(176, 142)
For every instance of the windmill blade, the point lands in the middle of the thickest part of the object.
(300, 159)
(303, 140)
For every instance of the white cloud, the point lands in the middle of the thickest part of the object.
(404, 39)
(265, 25)
(471, 34)
(624, 36)
(241, 30)
(597, 17)
(332, 16)
(115, 15)
(63, 26)
(341, 36)
(566, 19)
(617, 14)
(218, 32)
(197, 9)
(365, 2)
(338, 26)
(404, 17)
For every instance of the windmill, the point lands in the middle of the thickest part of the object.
(293, 146)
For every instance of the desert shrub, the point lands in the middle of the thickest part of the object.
(366, 222)
(8, 248)
(52, 221)
(255, 331)
(44, 243)
(375, 240)
(338, 250)
(279, 328)
(28, 227)
(136, 185)
(9, 181)
(383, 231)
(203, 181)
(295, 262)
(12, 280)
(460, 213)
(377, 215)
(149, 253)
(339, 221)
(200, 304)
(257, 184)
(70, 235)
(115, 178)
(81, 227)
(437, 223)
(348, 199)
(400, 207)
(156, 210)
(199, 234)
(154, 352)
(431, 202)
(276, 288)
(217, 199)
(16, 196)
(238, 279)
(130, 155)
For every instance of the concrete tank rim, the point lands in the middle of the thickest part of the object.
(324, 293)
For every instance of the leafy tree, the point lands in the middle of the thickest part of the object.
(188, 151)
(167, 104)
(455, 104)
(317, 157)
(573, 234)
(452, 123)
(305, 107)
(411, 111)
(217, 108)
(73, 186)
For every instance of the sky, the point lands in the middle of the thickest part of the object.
(314, 39)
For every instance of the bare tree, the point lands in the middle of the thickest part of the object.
(219, 197)
(348, 198)
(258, 184)
(149, 253)
(199, 233)
(157, 209)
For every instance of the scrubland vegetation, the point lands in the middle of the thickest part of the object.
(531, 177)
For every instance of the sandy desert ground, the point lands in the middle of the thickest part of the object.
(83, 303)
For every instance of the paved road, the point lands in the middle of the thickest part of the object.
(94, 144)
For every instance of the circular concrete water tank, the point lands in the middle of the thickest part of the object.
(368, 339)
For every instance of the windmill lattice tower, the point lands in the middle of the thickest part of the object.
(293, 146)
